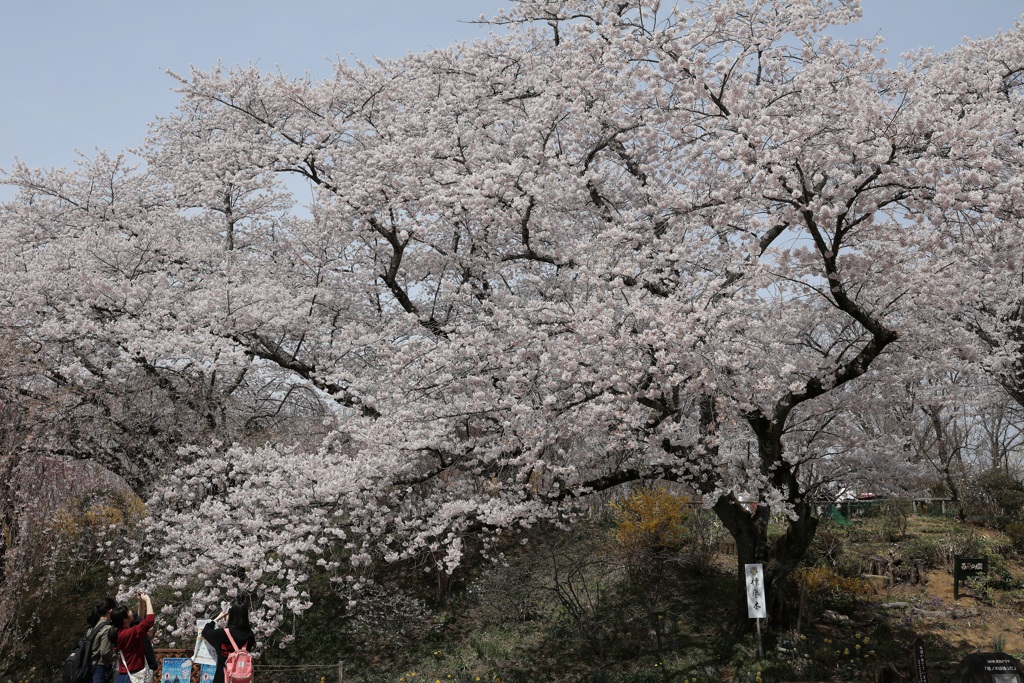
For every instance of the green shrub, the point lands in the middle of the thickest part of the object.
(769, 670)
(963, 542)
(997, 497)
(828, 546)
(928, 551)
(894, 514)
(1000, 573)
(1015, 531)
(981, 587)
(701, 533)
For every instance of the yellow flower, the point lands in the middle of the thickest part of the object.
(846, 650)
(866, 640)
(857, 646)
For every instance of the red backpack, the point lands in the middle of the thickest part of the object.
(238, 666)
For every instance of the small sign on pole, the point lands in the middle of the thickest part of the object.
(755, 592)
(966, 567)
(755, 598)
(920, 665)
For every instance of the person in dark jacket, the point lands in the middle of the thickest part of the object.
(101, 653)
(238, 623)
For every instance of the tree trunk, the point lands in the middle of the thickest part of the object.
(748, 524)
(749, 529)
(785, 556)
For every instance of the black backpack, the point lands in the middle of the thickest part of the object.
(77, 668)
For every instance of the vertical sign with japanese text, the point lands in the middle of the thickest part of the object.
(755, 591)
(920, 664)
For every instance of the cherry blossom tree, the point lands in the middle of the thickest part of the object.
(627, 247)
(623, 241)
(60, 521)
(974, 212)
(980, 232)
(957, 425)
(107, 281)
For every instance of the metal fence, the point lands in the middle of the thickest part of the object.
(938, 507)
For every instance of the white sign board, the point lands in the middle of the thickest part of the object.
(204, 652)
(755, 591)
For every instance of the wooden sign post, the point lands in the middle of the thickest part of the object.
(966, 567)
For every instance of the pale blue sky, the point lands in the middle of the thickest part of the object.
(88, 74)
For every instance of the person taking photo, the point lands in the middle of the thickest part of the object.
(130, 641)
(238, 624)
